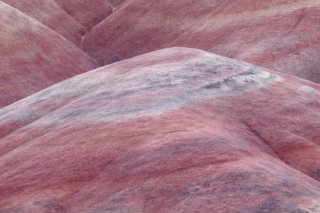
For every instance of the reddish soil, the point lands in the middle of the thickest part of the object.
(50, 14)
(33, 57)
(87, 13)
(280, 35)
(176, 130)
(159, 106)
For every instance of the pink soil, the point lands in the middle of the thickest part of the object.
(33, 56)
(87, 13)
(280, 35)
(176, 130)
(49, 13)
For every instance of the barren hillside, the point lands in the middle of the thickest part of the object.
(159, 106)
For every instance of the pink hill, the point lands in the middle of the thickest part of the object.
(50, 14)
(33, 56)
(176, 130)
(280, 35)
(87, 13)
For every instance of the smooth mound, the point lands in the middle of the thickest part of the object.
(280, 35)
(176, 130)
(33, 57)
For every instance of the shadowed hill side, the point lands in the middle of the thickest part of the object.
(280, 35)
(116, 3)
(33, 57)
(176, 130)
(87, 13)
(51, 15)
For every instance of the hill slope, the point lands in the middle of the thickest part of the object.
(87, 13)
(178, 130)
(50, 14)
(33, 57)
(280, 35)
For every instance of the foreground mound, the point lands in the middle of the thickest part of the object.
(33, 57)
(177, 130)
(278, 34)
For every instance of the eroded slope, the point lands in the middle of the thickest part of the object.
(87, 13)
(49, 13)
(33, 57)
(280, 35)
(176, 130)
